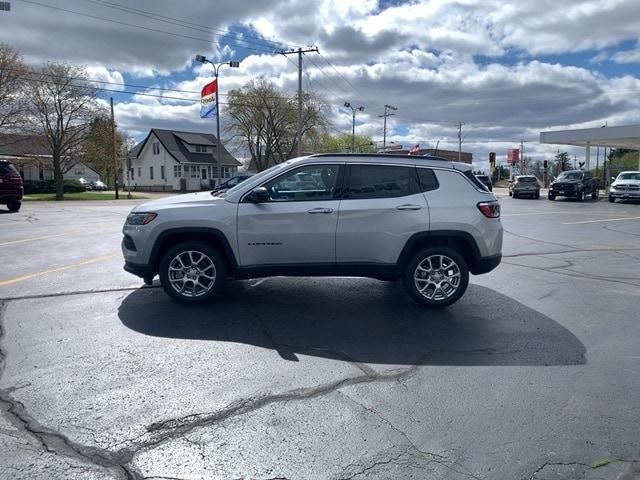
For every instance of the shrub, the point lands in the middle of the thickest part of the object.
(49, 186)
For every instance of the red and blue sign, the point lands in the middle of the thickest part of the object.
(208, 107)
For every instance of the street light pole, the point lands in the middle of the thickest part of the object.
(216, 68)
(353, 124)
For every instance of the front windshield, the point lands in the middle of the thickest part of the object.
(257, 176)
(629, 176)
(570, 176)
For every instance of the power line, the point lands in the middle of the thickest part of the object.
(155, 30)
(186, 24)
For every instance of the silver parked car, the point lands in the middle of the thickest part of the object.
(427, 222)
(626, 186)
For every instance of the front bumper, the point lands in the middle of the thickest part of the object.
(625, 194)
(142, 271)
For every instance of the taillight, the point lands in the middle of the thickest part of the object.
(489, 209)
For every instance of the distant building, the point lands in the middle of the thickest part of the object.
(32, 157)
(465, 157)
(175, 160)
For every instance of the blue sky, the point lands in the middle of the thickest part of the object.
(507, 70)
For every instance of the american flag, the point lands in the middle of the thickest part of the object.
(415, 149)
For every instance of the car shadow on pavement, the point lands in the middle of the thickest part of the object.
(360, 320)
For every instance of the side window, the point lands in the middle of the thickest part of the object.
(380, 181)
(311, 182)
(428, 180)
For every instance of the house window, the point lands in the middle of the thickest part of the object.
(177, 171)
(194, 171)
(162, 172)
(151, 173)
(201, 148)
(131, 169)
(156, 148)
(139, 171)
(41, 173)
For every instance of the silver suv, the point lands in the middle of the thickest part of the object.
(427, 222)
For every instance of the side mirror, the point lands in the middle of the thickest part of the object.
(258, 195)
(613, 179)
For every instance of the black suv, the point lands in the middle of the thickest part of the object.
(574, 183)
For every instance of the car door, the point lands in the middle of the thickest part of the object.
(382, 206)
(297, 225)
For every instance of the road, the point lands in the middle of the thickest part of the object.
(533, 374)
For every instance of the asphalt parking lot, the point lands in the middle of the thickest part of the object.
(533, 374)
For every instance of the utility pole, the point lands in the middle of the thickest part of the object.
(384, 129)
(522, 157)
(460, 124)
(115, 152)
(300, 51)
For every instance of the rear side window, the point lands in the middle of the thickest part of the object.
(380, 181)
(477, 183)
(428, 180)
(8, 169)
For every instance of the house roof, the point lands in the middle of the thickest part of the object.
(23, 145)
(172, 141)
(83, 164)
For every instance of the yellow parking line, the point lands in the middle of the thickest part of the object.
(605, 220)
(13, 242)
(28, 276)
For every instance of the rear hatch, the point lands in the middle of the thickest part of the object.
(10, 181)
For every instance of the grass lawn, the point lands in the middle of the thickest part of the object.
(78, 196)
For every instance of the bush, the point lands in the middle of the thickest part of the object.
(49, 186)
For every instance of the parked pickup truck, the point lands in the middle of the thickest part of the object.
(574, 183)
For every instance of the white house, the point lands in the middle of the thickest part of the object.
(172, 160)
(32, 157)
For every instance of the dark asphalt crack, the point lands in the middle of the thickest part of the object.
(161, 432)
(51, 441)
(79, 292)
(586, 467)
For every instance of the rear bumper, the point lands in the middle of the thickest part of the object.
(486, 264)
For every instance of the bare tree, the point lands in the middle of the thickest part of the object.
(64, 105)
(265, 120)
(12, 98)
(97, 148)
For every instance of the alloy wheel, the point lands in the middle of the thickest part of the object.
(192, 273)
(437, 277)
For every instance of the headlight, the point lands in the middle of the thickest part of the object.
(140, 218)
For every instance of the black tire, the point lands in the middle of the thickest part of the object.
(612, 200)
(14, 205)
(203, 255)
(580, 196)
(537, 195)
(594, 195)
(551, 197)
(515, 195)
(510, 193)
(453, 262)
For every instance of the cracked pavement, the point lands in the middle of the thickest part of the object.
(534, 374)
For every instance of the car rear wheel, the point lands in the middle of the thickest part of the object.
(192, 272)
(612, 199)
(436, 277)
(510, 193)
(594, 195)
(580, 196)
(14, 206)
(551, 196)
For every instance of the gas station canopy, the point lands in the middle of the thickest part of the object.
(625, 136)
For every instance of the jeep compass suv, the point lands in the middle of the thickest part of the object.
(427, 222)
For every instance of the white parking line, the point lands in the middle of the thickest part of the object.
(598, 221)
(529, 213)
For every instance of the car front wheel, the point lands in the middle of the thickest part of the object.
(612, 199)
(436, 277)
(551, 196)
(192, 272)
(14, 206)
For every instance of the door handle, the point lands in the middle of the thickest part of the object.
(408, 207)
(320, 210)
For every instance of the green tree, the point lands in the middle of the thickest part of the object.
(12, 98)
(265, 121)
(97, 148)
(341, 143)
(63, 104)
(562, 163)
